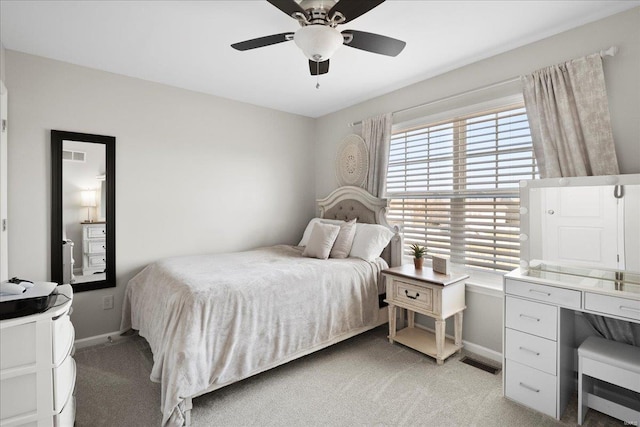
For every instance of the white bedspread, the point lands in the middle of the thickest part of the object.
(212, 320)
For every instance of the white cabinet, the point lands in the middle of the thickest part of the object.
(37, 370)
(94, 247)
(538, 345)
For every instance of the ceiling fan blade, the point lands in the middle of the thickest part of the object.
(317, 68)
(262, 41)
(351, 9)
(374, 43)
(287, 6)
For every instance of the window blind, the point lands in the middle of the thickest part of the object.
(454, 186)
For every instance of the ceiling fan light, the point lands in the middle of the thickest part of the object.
(318, 42)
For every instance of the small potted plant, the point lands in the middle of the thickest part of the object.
(418, 254)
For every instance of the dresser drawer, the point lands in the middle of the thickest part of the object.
(616, 306)
(95, 247)
(407, 294)
(531, 387)
(63, 336)
(18, 346)
(95, 232)
(531, 317)
(64, 378)
(551, 294)
(536, 352)
(96, 261)
(18, 396)
(67, 416)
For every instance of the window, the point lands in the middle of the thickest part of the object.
(454, 186)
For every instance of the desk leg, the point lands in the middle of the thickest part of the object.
(392, 322)
(411, 319)
(458, 330)
(440, 326)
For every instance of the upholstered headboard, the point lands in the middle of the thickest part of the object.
(347, 203)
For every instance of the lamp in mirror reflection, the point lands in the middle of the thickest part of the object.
(88, 200)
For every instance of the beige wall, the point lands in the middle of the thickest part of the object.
(622, 74)
(194, 173)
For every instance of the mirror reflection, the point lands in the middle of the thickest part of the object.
(83, 216)
(590, 222)
(83, 211)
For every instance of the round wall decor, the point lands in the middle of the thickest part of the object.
(352, 161)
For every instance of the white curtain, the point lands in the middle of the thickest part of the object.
(569, 118)
(376, 132)
(568, 115)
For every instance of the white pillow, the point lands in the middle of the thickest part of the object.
(307, 231)
(369, 241)
(321, 240)
(344, 241)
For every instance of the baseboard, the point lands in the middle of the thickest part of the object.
(472, 348)
(98, 339)
(485, 352)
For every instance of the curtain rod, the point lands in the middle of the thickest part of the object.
(605, 52)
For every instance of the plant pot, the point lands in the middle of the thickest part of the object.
(417, 262)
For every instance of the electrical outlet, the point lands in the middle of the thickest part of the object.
(107, 302)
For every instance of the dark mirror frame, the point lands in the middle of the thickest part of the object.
(57, 137)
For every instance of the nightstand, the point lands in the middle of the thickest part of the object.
(432, 294)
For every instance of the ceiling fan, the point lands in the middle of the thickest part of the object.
(318, 37)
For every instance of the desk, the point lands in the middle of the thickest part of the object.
(424, 291)
(538, 344)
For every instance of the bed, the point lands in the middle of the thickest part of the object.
(212, 320)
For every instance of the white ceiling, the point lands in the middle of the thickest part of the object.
(187, 43)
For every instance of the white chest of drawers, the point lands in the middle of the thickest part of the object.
(94, 247)
(37, 370)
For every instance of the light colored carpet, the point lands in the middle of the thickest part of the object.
(363, 381)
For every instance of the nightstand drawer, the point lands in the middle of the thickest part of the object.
(536, 352)
(416, 296)
(532, 317)
(532, 388)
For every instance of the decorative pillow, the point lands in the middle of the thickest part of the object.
(307, 231)
(369, 241)
(321, 240)
(344, 241)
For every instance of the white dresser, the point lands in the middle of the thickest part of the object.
(539, 348)
(94, 247)
(37, 370)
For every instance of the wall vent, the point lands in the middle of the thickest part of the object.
(73, 156)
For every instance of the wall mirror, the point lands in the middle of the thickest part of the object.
(589, 222)
(83, 198)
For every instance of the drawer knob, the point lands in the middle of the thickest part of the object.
(529, 351)
(406, 292)
(525, 316)
(550, 211)
(528, 387)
